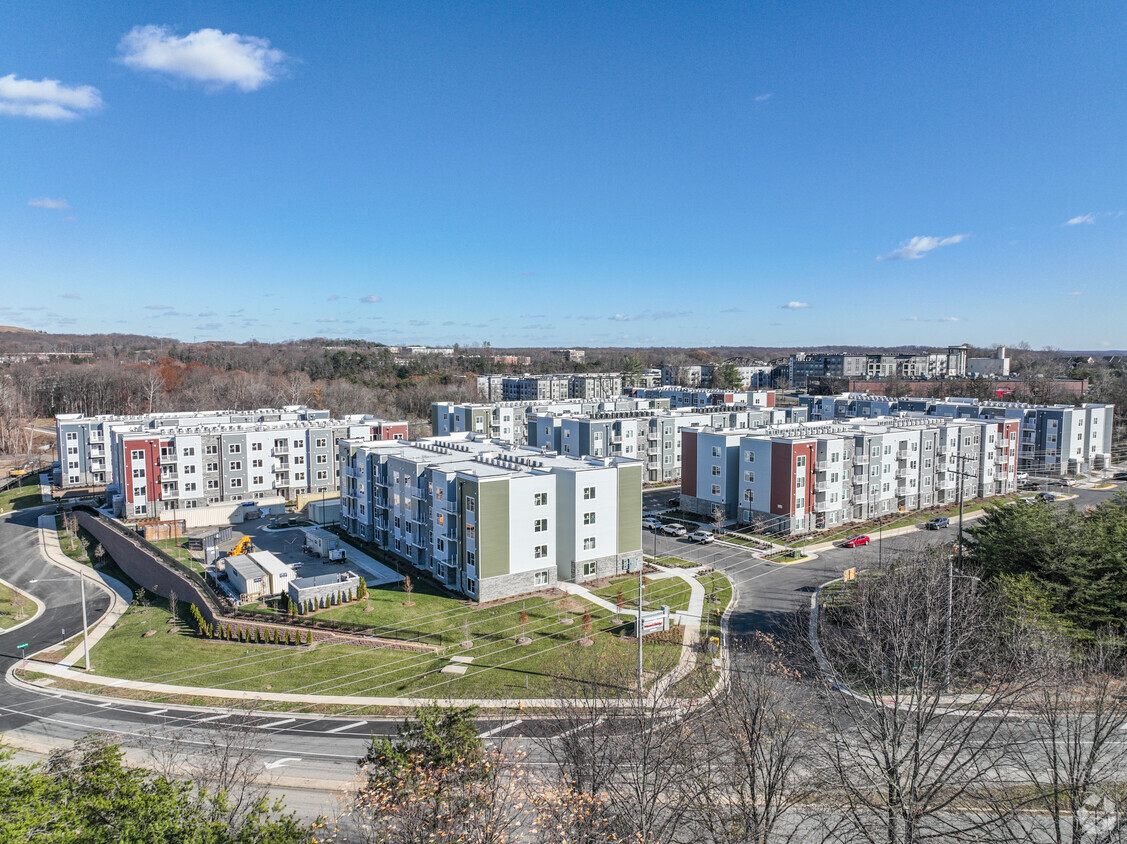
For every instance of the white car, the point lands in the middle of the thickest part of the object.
(674, 529)
(651, 523)
(1023, 476)
(702, 536)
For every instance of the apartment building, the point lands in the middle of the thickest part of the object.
(696, 397)
(508, 421)
(815, 476)
(86, 461)
(950, 363)
(189, 467)
(489, 519)
(1055, 439)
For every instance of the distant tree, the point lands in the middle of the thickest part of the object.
(725, 376)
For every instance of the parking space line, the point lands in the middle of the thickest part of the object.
(344, 727)
(276, 723)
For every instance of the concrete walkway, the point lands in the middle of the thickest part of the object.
(120, 594)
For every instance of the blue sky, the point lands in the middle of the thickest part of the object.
(582, 174)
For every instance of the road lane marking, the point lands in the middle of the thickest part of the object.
(496, 730)
(281, 762)
(152, 711)
(581, 727)
(276, 723)
(212, 718)
(344, 727)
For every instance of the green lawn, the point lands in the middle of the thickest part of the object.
(500, 669)
(176, 549)
(672, 592)
(21, 497)
(717, 596)
(14, 607)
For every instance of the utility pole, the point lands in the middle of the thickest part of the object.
(951, 575)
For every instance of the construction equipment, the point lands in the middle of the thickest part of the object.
(243, 546)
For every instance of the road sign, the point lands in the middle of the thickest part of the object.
(24, 645)
(849, 574)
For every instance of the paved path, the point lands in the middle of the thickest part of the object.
(120, 594)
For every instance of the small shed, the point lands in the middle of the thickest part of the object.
(248, 581)
(324, 512)
(278, 575)
(320, 541)
(209, 539)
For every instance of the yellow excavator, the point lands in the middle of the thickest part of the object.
(242, 547)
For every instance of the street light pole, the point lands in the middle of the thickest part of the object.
(951, 577)
(638, 629)
(85, 637)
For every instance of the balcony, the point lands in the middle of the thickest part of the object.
(822, 486)
(282, 449)
(821, 466)
(860, 458)
(903, 454)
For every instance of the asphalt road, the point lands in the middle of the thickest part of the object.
(323, 750)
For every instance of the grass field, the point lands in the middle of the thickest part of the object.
(501, 668)
(21, 497)
(672, 591)
(14, 607)
(717, 596)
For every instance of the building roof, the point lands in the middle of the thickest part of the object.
(323, 580)
(270, 564)
(245, 568)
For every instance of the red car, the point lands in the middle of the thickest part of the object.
(855, 541)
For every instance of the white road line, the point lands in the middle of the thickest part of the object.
(579, 728)
(344, 727)
(103, 705)
(212, 718)
(152, 712)
(496, 730)
(276, 723)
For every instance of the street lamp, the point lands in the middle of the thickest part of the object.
(82, 586)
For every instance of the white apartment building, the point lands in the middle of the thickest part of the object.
(489, 519)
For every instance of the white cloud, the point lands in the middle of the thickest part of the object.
(418, 322)
(70, 296)
(911, 319)
(622, 318)
(326, 319)
(158, 307)
(371, 300)
(1083, 219)
(919, 246)
(47, 99)
(796, 306)
(47, 202)
(762, 98)
(1074, 293)
(217, 59)
(950, 319)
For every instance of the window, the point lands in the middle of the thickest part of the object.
(540, 525)
(716, 489)
(322, 458)
(540, 551)
(589, 569)
(588, 518)
(236, 483)
(749, 496)
(137, 455)
(322, 442)
(588, 493)
(801, 461)
(72, 449)
(297, 443)
(234, 448)
(189, 452)
(716, 451)
(189, 487)
(138, 492)
(299, 476)
(211, 449)
(799, 483)
(211, 467)
(72, 435)
(540, 578)
(471, 559)
(716, 471)
(213, 484)
(749, 456)
(256, 446)
(299, 459)
(189, 470)
(589, 543)
(257, 479)
(471, 532)
(256, 463)
(236, 465)
(540, 499)
(139, 473)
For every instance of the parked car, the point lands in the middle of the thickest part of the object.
(1119, 476)
(937, 523)
(1047, 496)
(855, 541)
(674, 529)
(702, 536)
(675, 501)
(651, 523)
(1066, 482)
(1023, 476)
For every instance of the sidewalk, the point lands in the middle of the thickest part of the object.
(120, 594)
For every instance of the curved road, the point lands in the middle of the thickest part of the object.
(319, 752)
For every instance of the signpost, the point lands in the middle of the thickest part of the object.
(23, 650)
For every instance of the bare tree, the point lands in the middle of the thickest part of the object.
(915, 729)
(636, 759)
(173, 604)
(761, 765)
(1070, 749)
